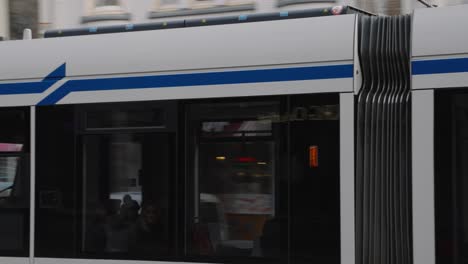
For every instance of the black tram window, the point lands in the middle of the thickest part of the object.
(226, 180)
(235, 181)
(451, 176)
(105, 179)
(127, 116)
(14, 181)
(253, 194)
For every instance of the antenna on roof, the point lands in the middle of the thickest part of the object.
(27, 34)
(426, 3)
(361, 11)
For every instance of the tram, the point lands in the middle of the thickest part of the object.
(314, 136)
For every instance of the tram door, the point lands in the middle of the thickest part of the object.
(451, 176)
(314, 179)
(266, 179)
(126, 185)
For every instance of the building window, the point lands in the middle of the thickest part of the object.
(212, 3)
(238, 2)
(168, 5)
(205, 3)
(99, 7)
(100, 3)
(102, 10)
(283, 3)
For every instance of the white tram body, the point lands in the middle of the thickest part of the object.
(293, 58)
(237, 48)
(439, 63)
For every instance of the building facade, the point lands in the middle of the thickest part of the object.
(62, 14)
(55, 14)
(15, 16)
(23, 14)
(4, 20)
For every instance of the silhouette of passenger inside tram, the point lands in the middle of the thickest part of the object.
(111, 225)
(115, 228)
(129, 209)
(150, 234)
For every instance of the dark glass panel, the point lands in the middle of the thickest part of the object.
(315, 185)
(127, 196)
(107, 194)
(14, 132)
(236, 128)
(125, 118)
(451, 176)
(56, 186)
(14, 181)
(235, 182)
(261, 182)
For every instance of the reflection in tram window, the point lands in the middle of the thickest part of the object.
(235, 178)
(106, 192)
(126, 195)
(14, 181)
(243, 186)
(232, 181)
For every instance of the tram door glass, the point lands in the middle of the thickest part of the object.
(265, 179)
(236, 181)
(126, 194)
(104, 178)
(451, 176)
(314, 179)
(14, 181)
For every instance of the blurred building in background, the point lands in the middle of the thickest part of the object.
(4, 20)
(56, 14)
(23, 14)
(16, 15)
(85, 13)
(41, 15)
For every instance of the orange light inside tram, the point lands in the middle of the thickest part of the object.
(313, 157)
